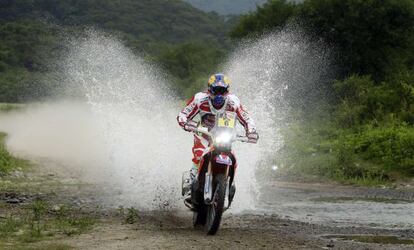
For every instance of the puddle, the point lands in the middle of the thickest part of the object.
(344, 206)
(366, 199)
(378, 239)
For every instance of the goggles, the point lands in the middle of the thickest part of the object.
(218, 90)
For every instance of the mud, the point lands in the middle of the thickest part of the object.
(337, 205)
(289, 216)
(173, 231)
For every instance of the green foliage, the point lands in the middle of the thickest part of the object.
(191, 63)
(6, 107)
(24, 44)
(363, 101)
(391, 147)
(33, 35)
(24, 54)
(36, 223)
(309, 150)
(366, 135)
(70, 221)
(375, 155)
(75, 225)
(132, 215)
(274, 14)
(372, 37)
(367, 139)
(147, 20)
(7, 161)
(43, 221)
(226, 7)
(9, 225)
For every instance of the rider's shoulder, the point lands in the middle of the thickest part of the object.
(201, 96)
(233, 100)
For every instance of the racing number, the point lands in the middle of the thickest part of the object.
(227, 120)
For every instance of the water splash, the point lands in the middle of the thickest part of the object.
(275, 76)
(137, 116)
(124, 117)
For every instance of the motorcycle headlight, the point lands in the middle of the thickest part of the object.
(223, 138)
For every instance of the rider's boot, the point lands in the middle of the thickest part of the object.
(193, 173)
(189, 186)
(188, 182)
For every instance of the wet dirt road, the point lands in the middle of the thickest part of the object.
(290, 216)
(338, 205)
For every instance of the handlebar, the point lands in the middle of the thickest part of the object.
(202, 130)
(242, 138)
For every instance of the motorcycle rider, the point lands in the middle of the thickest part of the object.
(207, 104)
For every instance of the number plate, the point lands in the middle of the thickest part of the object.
(226, 120)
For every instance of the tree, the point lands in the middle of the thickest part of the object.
(190, 63)
(274, 14)
(373, 37)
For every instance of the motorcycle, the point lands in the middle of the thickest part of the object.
(213, 190)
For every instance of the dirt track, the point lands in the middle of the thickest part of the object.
(169, 231)
(272, 227)
(290, 216)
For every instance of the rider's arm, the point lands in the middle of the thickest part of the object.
(247, 122)
(188, 113)
(245, 119)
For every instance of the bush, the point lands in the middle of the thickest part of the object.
(308, 151)
(7, 161)
(373, 155)
(367, 135)
(190, 64)
(371, 37)
(273, 14)
(362, 101)
(392, 147)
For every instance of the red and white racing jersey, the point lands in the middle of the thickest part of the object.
(201, 105)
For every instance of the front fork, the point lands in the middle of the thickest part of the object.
(208, 184)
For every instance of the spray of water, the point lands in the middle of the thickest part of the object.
(136, 113)
(275, 76)
(121, 132)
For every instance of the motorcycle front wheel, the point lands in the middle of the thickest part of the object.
(216, 208)
(200, 213)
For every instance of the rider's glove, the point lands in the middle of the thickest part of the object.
(252, 136)
(189, 127)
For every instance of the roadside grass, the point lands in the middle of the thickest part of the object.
(34, 221)
(6, 107)
(7, 161)
(129, 216)
(71, 221)
(325, 167)
(365, 199)
(48, 246)
(9, 226)
(370, 156)
(365, 181)
(132, 216)
(39, 220)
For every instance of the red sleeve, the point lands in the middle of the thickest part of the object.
(190, 110)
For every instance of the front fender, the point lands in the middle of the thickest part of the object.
(223, 159)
